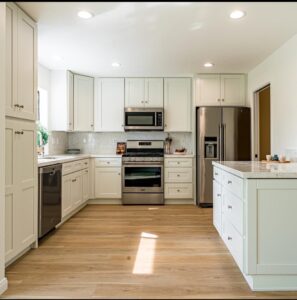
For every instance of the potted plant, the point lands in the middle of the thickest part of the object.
(42, 138)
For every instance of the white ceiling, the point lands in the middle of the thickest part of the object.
(159, 39)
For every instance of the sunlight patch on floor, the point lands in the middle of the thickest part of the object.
(144, 262)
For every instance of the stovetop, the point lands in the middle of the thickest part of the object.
(143, 154)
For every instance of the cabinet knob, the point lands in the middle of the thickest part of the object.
(119, 174)
(178, 190)
(223, 99)
(142, 101)
(73, 180)
(229, 182)
(21, 106)
(92, 125)
(219, 100)
(218, 195)
(146, 101)
(229, 207)
(216, 174)
(108, 162)
(16, 105)
(178, 175)
(229, 238)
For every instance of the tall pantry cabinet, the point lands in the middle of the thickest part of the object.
(20, 143)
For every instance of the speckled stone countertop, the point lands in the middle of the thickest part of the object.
(255, 169)
(63, 158)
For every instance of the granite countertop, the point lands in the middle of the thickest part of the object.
(63, 158)
(255, 169)
(188, 155)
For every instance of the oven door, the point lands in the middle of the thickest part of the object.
(142, 178)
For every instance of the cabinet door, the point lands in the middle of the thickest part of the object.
(83, 103)
(154, 92)
(217, 206)
(10, 188)
(85, 184)
(177, 104)
(208, 90)
(11, 59)
(26, 67)
(67, 204)
(233, 90)
(109, 104)
(70, 99)
(108, 183)
(134, 92)
(76, 189)
(25, 166)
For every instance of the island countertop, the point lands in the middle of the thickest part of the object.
(255, 169)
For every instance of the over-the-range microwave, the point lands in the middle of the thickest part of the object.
(144, 119)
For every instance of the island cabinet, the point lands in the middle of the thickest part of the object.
(255, 214)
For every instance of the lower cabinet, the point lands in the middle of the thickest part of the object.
(108, 178)
(75, 187)
(20, 186)
(178, 177)
(217, 206)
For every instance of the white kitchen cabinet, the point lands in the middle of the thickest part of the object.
(21, 186)
(232, 89)
(86, 184)
(220, 89)
(109, 104)
(108, 178)
(83, 103)
(154, 95)
(61, 101)
(67, 202)
(144, 92)
(178, 178)
(75, 185)
(108, 183)
(21, 64)
(177, 104)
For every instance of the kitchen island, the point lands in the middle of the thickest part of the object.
(255, 208)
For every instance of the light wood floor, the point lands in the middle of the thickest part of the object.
(99, 253)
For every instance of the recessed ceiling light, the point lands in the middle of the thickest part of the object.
(85, 14)
(208, 65)
(115, 64)
(237, 14)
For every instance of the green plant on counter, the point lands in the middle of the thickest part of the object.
(42, 135)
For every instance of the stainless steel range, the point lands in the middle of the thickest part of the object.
(142, 179)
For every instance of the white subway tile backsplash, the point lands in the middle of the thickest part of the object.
(106, 142)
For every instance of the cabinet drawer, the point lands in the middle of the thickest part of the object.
(217, 174)
(178, 175)
(85, 163)
(178, 162)
(67, 168)
(233, 209)
(108, 162)
(233, 241)
(178, 190)
(233, 183)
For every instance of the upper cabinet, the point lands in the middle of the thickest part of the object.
(109, 104)
(83, 103)
(61, 103)
(144, 92)
(220, 89)
(177, 104)
(21, 64)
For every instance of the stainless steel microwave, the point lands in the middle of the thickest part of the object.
(140, 119)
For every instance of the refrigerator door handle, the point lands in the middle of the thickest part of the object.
(220, 142)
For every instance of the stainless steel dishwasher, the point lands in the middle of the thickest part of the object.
(49, 198)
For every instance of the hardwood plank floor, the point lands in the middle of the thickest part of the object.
(132, 252)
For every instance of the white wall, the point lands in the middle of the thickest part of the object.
(3, 281)
(280, 70)
(44, 78)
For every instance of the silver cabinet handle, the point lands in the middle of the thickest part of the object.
(229, 238)
(86, 163)
(19, 132)
(219, 100)
(21, 106)
(178, 163)
(223, 99)
(218, 195)
(216, 174)
(178, 175)
(108, 162)
(92, 125)
(178, 191)
(229, 207)
(74, 180)
(119, 174)
(229, 182)
(16, 105)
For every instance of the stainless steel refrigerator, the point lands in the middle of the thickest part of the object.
(222, 133)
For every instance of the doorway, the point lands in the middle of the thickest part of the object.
(262, 129)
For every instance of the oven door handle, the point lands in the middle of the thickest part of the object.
(142, 165)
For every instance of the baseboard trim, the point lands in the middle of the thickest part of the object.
(3, 285)
(179, 201)
(105, 201)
